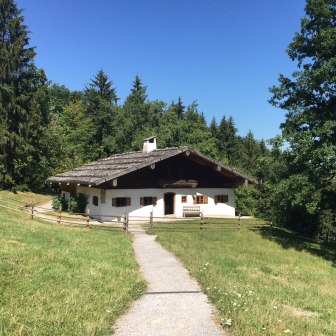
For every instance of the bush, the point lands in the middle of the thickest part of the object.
(247, 200)
(57, 202)
(77, 204)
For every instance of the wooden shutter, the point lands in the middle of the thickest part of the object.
(195, 199)
(128, 201)
(142, 200)
(114, 202)
(216, 199)
(154, 200)
(205, 199)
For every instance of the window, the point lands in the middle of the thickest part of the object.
(183, 199)
(148, 200)
(95, 200)
(221, 199)
(121, 201)
(200, 199)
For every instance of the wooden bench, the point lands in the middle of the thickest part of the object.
(191, 211)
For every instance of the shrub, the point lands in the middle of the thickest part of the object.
(78, 204)
(58, 201)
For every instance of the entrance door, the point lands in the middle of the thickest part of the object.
(169, 203)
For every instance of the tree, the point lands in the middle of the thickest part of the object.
(227, 140)
(136, 115)
(23, 100)
(138, 92)
(214, 127)
(75, 132)
(250, 151)
(60, 96)
(178, 108)
(309, 97)
(101, 99)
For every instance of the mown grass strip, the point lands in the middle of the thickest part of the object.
(58, 280)
(263, 281)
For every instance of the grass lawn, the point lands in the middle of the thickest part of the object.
(58, 280)
(263, 281)
(28, 197)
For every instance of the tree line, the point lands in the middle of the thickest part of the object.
(46, 128)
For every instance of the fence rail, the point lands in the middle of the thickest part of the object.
(126, 222)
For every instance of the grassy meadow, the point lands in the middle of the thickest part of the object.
(263, 281)
(59, 280)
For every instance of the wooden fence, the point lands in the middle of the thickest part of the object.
(127, 223)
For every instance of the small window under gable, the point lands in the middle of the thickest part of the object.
(95, 200)
(221, 199)
(121, 201)
(183, 199)
(148, 200)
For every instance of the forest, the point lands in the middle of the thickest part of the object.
(47, 128)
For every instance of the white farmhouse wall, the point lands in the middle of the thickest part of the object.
(135, 209)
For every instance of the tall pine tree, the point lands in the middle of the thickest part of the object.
(23, 105)
(101, 98)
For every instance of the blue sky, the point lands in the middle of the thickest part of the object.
(223, 53)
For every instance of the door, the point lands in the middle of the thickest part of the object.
(169, 203)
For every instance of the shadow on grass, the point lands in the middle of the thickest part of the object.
(290, 239)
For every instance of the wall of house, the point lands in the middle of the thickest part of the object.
(135, 209)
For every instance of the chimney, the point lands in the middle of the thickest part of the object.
(149, 144)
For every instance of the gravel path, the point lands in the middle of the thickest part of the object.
(173, 304)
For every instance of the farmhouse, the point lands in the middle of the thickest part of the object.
(176, 181)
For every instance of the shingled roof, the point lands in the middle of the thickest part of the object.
(104, 170)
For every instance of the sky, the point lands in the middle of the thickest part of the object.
(225, 54)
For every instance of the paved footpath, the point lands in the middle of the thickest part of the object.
(173, 305)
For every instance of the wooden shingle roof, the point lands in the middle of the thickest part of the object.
(117, 165)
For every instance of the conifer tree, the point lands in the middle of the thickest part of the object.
(136, 114)
(23, 104)
(101, 98)
(178, 108)
(214, 128)
(227, 140)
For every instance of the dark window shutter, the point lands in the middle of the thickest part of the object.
(142, 201)
(226, 198)
(154, 200)
(205, 199)
(195, 199)
(216, 199)
(114, 202)
(128, 201)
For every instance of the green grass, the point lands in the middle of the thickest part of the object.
(58, 280)
(27, 197)
(266, 281)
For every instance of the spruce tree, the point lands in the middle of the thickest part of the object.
(214, 128)
(138, 92)
(101, 98)
(23, 104)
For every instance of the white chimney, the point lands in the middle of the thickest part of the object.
(149, 144)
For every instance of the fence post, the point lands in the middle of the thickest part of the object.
(126, 222)
(202, 222)
(151, 222)
(32, 211)
(87, 215)
(59, 218)
(239, 222)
